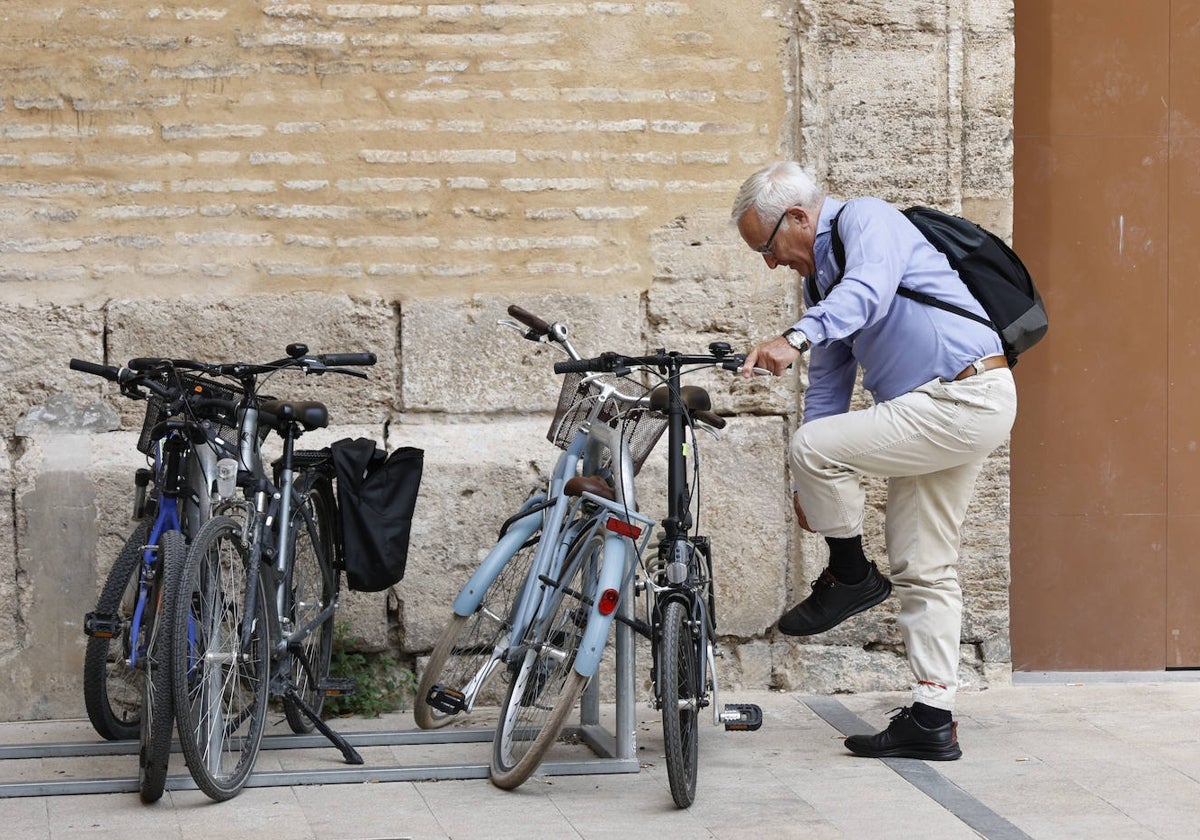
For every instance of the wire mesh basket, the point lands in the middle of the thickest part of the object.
(156, 407)
(640, 427)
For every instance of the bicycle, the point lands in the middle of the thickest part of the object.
(255, 599)
(126, 684)
(574, 550)
(495, 606)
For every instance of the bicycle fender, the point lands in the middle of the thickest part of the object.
(474, 589)
(595, 635)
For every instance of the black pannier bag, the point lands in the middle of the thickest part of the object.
(377, 494)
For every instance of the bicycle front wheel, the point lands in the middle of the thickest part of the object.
(679, 682)
(311, 586)
(546, 686)
(220, 672)
(112, 691)
(466, 655)
(157, 716)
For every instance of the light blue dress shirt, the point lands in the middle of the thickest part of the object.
(899, 343)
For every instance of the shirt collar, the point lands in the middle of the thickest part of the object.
(829, 209)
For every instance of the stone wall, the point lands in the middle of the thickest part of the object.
(218, 179)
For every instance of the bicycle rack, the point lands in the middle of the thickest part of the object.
(615, 752)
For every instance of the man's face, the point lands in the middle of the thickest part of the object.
(789, 243)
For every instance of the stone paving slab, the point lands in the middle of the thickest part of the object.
(1052, 760)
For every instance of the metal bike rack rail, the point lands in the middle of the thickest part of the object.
(615, 752)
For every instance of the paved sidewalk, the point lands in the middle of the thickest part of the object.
(1064, 757)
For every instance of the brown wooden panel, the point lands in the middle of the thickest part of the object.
(1185, 68)
(1098, 599)
(1183, 370)
(1183, 592)
(1096, 92)
(1091, 429)
(1102, 62)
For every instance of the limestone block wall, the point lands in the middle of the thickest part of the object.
(218, 179)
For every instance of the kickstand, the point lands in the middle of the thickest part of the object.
(348, 752)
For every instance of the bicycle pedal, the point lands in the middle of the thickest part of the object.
(446, 700)
(741, 717)
(339, 686)
(102, 625)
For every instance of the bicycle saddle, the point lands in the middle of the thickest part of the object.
(278, 413)
(694, 397)
(593, 484)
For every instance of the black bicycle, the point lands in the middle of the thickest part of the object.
(254, 602)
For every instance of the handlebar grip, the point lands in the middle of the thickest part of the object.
(107, 371)
(582, 365)
(529, 319)
(349, 359)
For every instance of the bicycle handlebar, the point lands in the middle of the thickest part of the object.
(613, 362)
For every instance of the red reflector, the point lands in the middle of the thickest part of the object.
(625, 529)
(608, 601)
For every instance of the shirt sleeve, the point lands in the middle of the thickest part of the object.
(874, 265)
(831, 373)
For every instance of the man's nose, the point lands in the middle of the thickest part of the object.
(770, 260)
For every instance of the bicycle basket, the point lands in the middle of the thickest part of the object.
(640, 427)
(156, 408)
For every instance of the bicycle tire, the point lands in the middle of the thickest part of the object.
(468, 643)
(547, 686)
(312, 584)
(112, 691)
(220, 695)
(679, 683)
(157, 718)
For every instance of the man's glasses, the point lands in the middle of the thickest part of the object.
(766, 249)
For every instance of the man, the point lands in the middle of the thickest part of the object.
(943, 399)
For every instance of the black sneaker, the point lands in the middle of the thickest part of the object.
(905, 738)
(832, 602)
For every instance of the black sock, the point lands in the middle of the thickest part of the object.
(930, 717)
(846, 559)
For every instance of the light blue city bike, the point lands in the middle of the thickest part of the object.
(540, 608)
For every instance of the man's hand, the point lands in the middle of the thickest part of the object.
(775, 355)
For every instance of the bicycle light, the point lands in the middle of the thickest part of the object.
(608, 601)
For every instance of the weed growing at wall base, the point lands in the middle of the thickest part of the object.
(384, 684)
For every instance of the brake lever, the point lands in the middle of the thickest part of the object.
(347, 371)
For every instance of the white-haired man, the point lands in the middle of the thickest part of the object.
(943, 399)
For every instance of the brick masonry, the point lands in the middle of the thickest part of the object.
(217, 179)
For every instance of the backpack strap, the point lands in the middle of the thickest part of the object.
(839, 257)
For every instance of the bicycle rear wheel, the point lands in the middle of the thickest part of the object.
(468, 645)
(157, 716)
(112, 691)
(312, 586)
(547, 687)
(220, 679)
(679, 683)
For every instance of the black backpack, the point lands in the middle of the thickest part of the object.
(992, 272)
(377, 494)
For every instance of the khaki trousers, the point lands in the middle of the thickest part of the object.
(930, 444)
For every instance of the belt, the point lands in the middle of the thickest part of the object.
(987, 363)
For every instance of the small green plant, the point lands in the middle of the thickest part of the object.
(383, 683)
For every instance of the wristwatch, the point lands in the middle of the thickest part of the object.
(796, 339)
